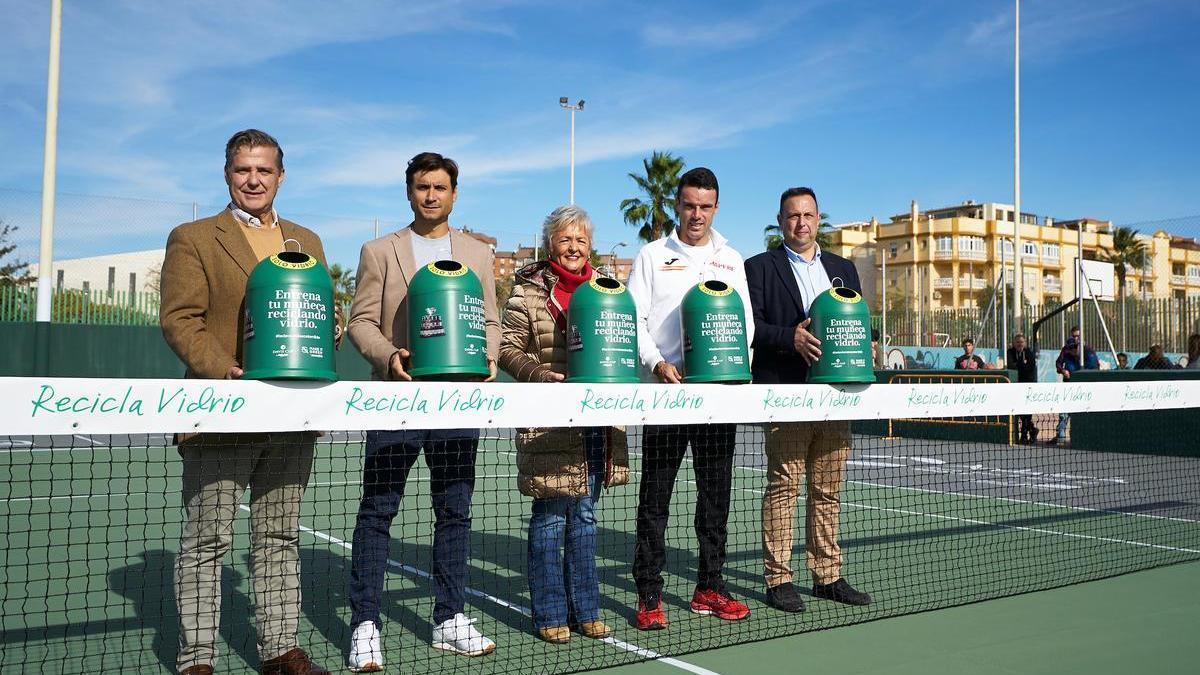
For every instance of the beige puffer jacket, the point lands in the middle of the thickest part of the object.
(550, 461)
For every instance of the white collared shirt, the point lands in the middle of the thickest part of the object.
(252, 221)
(810, 275)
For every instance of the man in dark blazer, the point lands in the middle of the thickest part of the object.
(783, 284)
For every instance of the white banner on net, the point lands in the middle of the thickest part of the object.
(120, 406)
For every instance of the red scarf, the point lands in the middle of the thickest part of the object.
(560, 295)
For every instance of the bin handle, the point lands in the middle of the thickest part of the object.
(299, 248)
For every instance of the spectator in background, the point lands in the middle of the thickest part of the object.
(1068, 361)
(1122, 361)
(1193, 351)
(878, 355)
(1155, 360)
(969, 359)
(1021, 359)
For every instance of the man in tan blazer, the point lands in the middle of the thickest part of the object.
(203, 304)
(379, 328)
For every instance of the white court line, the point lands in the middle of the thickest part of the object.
(620, 644)
(1002, 525)
(410, 479)
(48, 499)
(998, 498)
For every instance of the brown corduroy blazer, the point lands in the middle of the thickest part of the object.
(379, 316)
(203, 288)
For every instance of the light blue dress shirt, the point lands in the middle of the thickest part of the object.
(810, 276)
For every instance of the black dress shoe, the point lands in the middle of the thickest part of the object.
(785, 597)
(840, 591)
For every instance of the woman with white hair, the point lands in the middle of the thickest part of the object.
(563, 469)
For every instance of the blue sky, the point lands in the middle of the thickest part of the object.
(870, 103)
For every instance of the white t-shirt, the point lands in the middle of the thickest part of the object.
(427, 250)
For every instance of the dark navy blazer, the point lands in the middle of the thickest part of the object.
(778, 309)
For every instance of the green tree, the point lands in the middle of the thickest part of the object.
(15, 271)
(343, 284)
(654, 215)
(773, 236)
(1127, 252)
(504, 289)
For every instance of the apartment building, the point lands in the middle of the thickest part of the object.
(948, 257)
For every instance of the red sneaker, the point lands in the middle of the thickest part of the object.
(718, 604)
(650, 615)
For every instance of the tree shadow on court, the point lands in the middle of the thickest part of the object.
(149, 586)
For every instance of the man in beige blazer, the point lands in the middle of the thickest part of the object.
(379, 328)
(203, 301)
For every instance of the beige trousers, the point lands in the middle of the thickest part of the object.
(217, 468)
(820, 450)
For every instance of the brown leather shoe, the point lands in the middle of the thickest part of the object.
(555, 634)
(597, 630)
(293, 662)
(204, 669)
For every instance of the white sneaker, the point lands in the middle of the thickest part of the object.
(366, 655)
(458, 635)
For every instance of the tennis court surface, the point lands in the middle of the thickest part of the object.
(91, 524)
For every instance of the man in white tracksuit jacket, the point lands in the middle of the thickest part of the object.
(664, 271)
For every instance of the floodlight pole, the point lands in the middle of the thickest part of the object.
(578, 107)
(49, 169)
(1018, 253)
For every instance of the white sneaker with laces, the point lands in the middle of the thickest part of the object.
(458, 635)
(366, 654)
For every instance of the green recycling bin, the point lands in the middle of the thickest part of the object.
(447, 332)
(841, 320)
(289, 320)
(714, 334)
(602, 333)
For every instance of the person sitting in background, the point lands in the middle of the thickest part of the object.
(969, 359)
(1068, 362)
(1193, 354)
(1155, 360)
(1021, 359)
(1122, 361)
(563, 469)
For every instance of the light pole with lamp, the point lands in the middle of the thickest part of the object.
(578, 107)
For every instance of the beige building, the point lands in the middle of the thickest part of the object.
(948, 257)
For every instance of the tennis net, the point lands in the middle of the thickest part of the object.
(941, 503)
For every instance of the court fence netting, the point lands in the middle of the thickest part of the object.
(942, 502)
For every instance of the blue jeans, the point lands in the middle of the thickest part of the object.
(1060, 432)
(450, 455)
(565, 589)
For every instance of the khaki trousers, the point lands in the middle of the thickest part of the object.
(217, 468)
(820, 450)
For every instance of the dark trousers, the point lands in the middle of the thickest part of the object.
(712, 458)
(1026, 427)
(450, 456)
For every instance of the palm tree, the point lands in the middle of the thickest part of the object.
(1127, 252)
(773, 236)
(654, 215)
(343, 284)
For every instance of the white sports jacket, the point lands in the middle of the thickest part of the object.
(662, 274)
